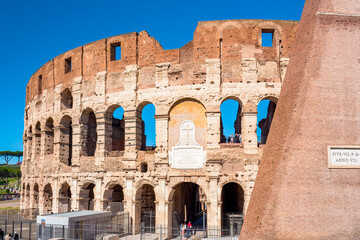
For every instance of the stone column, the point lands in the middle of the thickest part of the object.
(100, 144)
(76, 145)
(168, 217)
(75, 194)
(249, 125)
(57, 147)
(42, 143)
(160, 216)
(97, 193)
(161, 125)
(249, 70)
(55, 200)
(212, 206)
(213, 129)
(131, 141)
(128, 196)
(213, 73)
(161, 75)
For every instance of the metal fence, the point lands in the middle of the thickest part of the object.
(25, 228)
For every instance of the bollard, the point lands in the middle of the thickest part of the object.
(21, 230)
(63, 231)
(5, 227)
(13, 228)
(29, 230)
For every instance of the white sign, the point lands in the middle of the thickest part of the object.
(187, 154)
(344, 156)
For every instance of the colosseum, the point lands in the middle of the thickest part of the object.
(79, 156)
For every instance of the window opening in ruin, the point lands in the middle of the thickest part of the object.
(147, 127)
(29, 142)
(230, 125)
(40, 84)
(49, 136)
(36, 200)
(66, 99)
(86, 197)
(64, 198)
(232, 199)
(143, 167)
(66, 140)
(266, 110)
(118, 130)
(115, 52)
(37, 139)
(146, 199)
(68, 65)
(113, 199)
(88, 132)
(189, 204)
(48, 197)
(267, 37)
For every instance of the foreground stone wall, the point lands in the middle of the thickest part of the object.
(225, 60)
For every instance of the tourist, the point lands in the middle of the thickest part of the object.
(1, 234)
(16, 236)
(237, 138)
(231, 139)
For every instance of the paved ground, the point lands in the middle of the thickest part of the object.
(10, 203)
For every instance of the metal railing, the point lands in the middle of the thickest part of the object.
(25, 228)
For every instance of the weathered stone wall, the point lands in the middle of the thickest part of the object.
(225, 60)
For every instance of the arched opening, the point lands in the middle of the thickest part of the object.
(88, 132)
(36, 200)
(64, 198)
(48, 199)
(27, 195)
(49, 136)
(23, 195)
(266, 110)
(147, 126)
(230, 124)
(113, 198)
(189, 205)
(145, 208)
(66, 140)
(86, 197)
(37, 139)
(29, 149)
(115, 129)
(66, 99)
(232, 198)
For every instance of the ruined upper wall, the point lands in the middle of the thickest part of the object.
(231, 41)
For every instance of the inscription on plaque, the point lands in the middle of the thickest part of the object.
(187, 154)
(344, 156)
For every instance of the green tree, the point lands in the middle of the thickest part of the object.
(4, 175)
(16, 173)
(18, 154)
(7, 156)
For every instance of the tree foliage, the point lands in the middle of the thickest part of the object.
(8, 155)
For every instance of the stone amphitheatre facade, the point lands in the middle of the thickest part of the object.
(77, 156)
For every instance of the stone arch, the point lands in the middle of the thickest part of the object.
(183, 99)
(37, 139)
(145, 124)
(187, 109)
(232, 208)
(225, 118)
(66, 99)
(35, 206)
(29, 142)
(188, 203)
(113, 197)
(88, 126)
(87, 196)
(64, 200)
(266, 116)
(65, 141)
(145, 207)
(49, 136)
(27, 194)
(47, 199)
(229, 25)
(114, 130)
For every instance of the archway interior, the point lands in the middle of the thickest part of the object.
(36, 196)
(118, 130)
(146, 195)
(66, 99)
(113, 198)
(232, 198)
(148, 131)
(89, 134)
(49, 136)
(66, 140)
(86, 196)
(266, 111)
(48, 196)
(189, 205)
(230, 124)
(37, 139)
(65, 198)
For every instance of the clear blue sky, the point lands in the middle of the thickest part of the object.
(34, 32)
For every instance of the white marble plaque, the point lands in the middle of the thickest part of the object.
(187, 154)
(344, 156)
